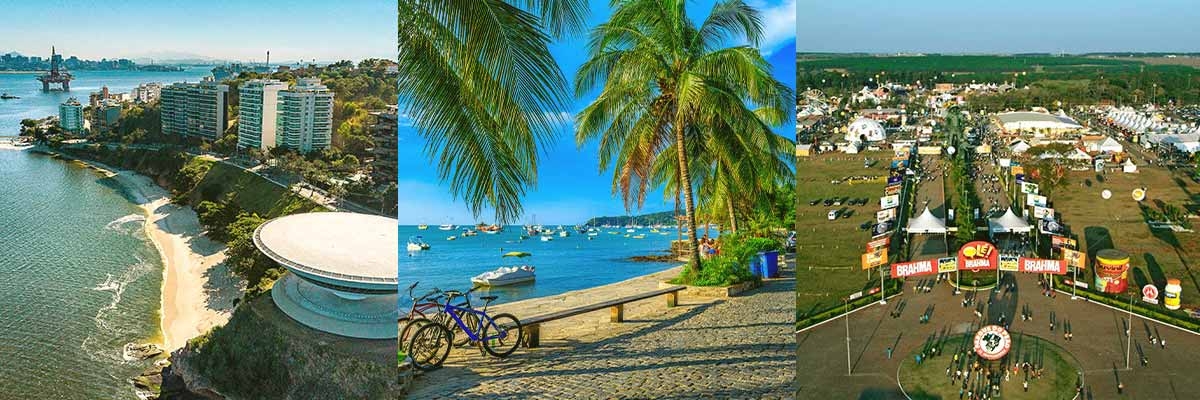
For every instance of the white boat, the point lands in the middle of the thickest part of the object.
(547, 238)
(452, 237)
(563, 233)
(630, 230)
(446, 227)
(504, 276)
(417, 243)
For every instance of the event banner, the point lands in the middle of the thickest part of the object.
(875, 258)
(1043, 213)
(915, 268)
(1059, 242)
(885, 215)
(1029, 188)
(1009, 262)
(895, 179)
(892, 189)
(1074, 258)
(1035, 200)
(1043, 266)
(880, 243)
(978, 255)
(887, 202)
(947, 264)
(1050, 227)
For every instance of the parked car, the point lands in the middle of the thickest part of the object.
(833, 214)
(846, 213)
(837, 201)
(814, 202)
(828, 202)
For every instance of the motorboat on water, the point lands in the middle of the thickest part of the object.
(505, 276)
(417, 243)
(564, 233)
(547, 238)
(7, 96)
(489, 229)
(469, 232)
(422, 227)
(445, 227)
(639, 236)
(452, 237)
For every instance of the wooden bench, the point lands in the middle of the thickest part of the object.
(531, 327)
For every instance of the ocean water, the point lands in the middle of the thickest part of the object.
(33, 103)
(78, 280)
(562, 265)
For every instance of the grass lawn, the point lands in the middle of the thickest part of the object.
(828, 265)
(1117, 223)
(928, 381)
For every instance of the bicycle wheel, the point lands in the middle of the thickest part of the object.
(410, 327)
(502, 336)
(430, 346)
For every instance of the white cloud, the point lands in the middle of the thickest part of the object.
(779, 23)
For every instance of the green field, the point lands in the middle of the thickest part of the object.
(928, 381)
(828, 265)
(1155, 255)
(964, 64)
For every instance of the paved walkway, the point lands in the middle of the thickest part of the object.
(740, 347)
(1098, 345)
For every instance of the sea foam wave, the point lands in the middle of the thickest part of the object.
(120, 224)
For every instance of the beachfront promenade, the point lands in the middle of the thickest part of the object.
(1098, 345)
(741, 347)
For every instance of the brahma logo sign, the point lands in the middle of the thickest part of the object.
(978, 255)
(1043, 266)
(914, 268)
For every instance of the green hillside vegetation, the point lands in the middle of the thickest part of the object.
(260, 354)
(1070, 79)
(658, 218)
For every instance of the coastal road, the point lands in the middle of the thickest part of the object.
(741, 347)
(1098, 345)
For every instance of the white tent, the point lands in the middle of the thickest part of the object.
(1079, 155)
(1129, 167)
(1110, 145)
(1009, 223)
(1018, 147)
(865, 130)
(926, 223)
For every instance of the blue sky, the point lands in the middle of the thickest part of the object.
(571, 189)
(986, 26)
(223, 29)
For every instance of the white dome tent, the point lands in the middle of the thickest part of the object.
(1009, 223)
(865, 130)
(926, 223)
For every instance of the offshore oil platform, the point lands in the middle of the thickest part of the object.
(57, 75)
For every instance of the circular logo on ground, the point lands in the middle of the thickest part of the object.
(1150, 293)
(992, 342)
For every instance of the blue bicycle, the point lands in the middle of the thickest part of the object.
(498, 335)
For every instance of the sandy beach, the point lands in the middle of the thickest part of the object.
(197, 290)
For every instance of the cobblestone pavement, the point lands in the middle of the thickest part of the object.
(742, 347)
(1098, 345)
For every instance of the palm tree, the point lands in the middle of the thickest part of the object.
(668, 86)
(479, 83)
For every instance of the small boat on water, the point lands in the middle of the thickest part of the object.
(7, 96)
(489, 229)
(516, 254)
(639, 236)
(469, 232)
(422, 227)
(417, 243)
(547, 238)
(452, 237)
(445, 227)
(629, 230)
(564, 233)
(593, 233)
(504, 276)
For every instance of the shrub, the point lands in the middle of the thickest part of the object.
(717, 271)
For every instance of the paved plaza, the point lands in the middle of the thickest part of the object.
(741, 347)
(1098, 344)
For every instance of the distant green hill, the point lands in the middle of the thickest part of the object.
(658, 218)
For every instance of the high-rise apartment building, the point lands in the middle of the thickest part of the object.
(70, 116)
(194, 109)
(305, 116)
(258, 103)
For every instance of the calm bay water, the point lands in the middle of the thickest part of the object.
(562, 265)
(33, 103)
(78, 280)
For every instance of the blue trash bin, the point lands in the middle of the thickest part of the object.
(756, 265)
(769, 263)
